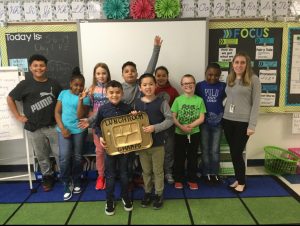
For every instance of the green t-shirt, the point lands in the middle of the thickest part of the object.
(188, 109)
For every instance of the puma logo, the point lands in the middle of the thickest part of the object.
(47, 94)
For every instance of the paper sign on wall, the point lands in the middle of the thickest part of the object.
(296, 123)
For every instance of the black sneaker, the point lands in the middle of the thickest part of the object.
(147, 199)
(158, 202)
(48, 182)
(216, 179)
(208, 179)
(127, 204)
(110, 207)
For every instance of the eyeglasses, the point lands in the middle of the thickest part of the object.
(188, 84)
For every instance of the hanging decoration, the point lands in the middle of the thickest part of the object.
(116, 9)
(167, 8)
(142, 9)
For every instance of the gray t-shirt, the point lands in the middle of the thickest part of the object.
(132, 91)
(243, 102)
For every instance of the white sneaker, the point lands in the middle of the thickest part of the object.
(169, 178)
(77, 190)
(67, 193)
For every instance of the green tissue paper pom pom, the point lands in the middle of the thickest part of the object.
(167, 8)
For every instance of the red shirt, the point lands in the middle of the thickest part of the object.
(168, 92)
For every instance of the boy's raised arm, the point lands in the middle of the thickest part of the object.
(155, 54)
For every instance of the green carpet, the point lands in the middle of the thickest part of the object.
(6, 211)
(274, 210)
(229, 211)
(42, 213)
(174, 212)
(93, 213)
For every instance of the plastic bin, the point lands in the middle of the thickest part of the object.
(280, 161)
(296, 151)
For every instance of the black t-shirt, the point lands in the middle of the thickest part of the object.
(39, 100)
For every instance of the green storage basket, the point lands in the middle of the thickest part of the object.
(280, 161)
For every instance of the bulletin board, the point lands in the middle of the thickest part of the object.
(293, 68)
(284, 102)
(263, 43)
(58, 43)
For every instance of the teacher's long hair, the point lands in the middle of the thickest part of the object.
(246, 78)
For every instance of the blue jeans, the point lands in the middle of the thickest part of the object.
(210, 147)
(112, 163)
(70, 156)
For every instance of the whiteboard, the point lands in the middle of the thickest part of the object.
(184, 49)
(10, 128)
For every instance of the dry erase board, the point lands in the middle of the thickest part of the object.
(10, 128)
(60, 48)
(184, 48)
(262, 44)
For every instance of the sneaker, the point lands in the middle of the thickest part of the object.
(169, 178)
(100, 183)
(208, 179)
(48, 182)
(68, 193)
(158, 202)
(77, 190)
(193, 185)
(216, 179)
(147, 199)
(127, 204)
(178, 185)
(110, 207)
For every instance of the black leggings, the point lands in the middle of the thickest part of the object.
(236, 136)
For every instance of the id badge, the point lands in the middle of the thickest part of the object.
(231, 108)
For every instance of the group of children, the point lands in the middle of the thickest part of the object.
(175, 123)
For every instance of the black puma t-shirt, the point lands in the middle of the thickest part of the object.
(39, 100)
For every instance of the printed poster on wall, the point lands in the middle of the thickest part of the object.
(262, 44)
(293, 68)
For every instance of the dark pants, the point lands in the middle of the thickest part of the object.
(114, 164)
(236, 136)
(185, 150)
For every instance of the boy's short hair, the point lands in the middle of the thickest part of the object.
(187, 76)
(114, 84)
(146, 75)
(37, 57)
(128, 63)
(215, 66)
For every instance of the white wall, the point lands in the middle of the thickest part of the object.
(272, 129)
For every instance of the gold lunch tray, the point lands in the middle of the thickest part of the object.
(124, 133)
